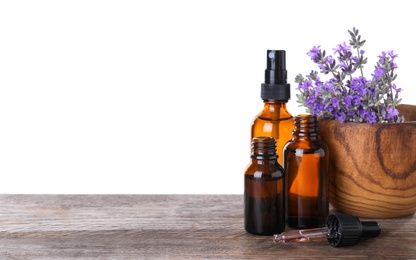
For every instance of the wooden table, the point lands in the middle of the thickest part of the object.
(164, 227)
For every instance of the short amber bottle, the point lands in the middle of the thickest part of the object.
(263, 190)
(305, 160)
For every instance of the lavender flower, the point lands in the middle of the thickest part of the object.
(344, 96)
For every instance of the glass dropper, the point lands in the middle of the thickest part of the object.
(303, 235)
(340, 230)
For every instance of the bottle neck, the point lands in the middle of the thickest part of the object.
(275, 110)
(263, 150)
(263, 160)
(306, 128)
(274, 104)
(304, 137)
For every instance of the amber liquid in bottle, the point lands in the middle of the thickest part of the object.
(263, 190)
(306, 179)
(274, 121)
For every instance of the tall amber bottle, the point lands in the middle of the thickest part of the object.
(305, 159)
(275, 120)
(263, 190)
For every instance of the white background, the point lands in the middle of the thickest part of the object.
(158, 96)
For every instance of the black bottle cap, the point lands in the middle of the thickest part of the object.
(347, 230)
(275, 85)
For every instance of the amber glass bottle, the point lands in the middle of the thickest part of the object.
(274, 121)
(263, 190)
(305, 159)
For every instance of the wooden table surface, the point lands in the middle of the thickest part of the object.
(165, 227)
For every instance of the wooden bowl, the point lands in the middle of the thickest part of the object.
(372, 166)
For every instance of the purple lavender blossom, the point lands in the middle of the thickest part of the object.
(371, 117)
(346, 97)
(392, 55)
(378, 73)
(382, 57)
(328, 86)
(342, 48)
(351, 114)
(356, 100)
(358, 84)
(341, 116)
(335, 102)
(348, 101)
(314, 53)
(305, 86)
(391, 113)
(397, 90)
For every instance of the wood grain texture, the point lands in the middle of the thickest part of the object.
(372, 166)
(164, 227)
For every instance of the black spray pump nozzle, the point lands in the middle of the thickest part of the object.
(276, 72)
(340, 230)
(275, 85)
(347, 230)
